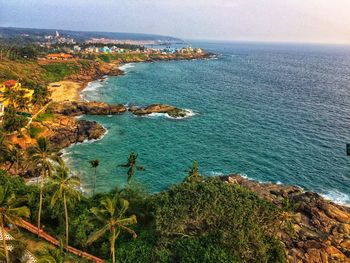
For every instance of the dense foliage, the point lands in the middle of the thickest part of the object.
(204, 221)
(13, 121)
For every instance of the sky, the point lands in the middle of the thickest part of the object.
(319, 21)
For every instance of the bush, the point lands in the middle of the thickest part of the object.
(104, 58)
(34, 131)
(234, 218)
(12, 121)
(85, 64)
(44, 117)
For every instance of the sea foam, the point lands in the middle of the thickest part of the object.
(91, 90)
(337, 197)
(127, 66)
(189, 113)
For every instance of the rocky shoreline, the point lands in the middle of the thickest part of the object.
(316, 230)
(77, 108)
(66, 130)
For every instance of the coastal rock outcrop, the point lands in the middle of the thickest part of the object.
(159, 108)
(319, 230)
(91, 108)
(64, 131)
(96, 71)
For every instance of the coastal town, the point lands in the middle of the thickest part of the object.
(57, 48)
(42, 114)
(109, 46)
(77, 50)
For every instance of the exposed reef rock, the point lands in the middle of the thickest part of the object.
(64, 131)
(90, 108)
(159, 108)
(319, 229)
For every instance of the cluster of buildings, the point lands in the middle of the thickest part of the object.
(57, 39)
(17, 87)
(122, 41)
(102, 50)
(117, 50)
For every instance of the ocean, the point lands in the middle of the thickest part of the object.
(272, 112)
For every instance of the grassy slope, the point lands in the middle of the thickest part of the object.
(36, 74)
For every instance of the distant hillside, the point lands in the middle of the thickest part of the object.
(13, 32)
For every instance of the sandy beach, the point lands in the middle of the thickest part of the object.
(66, 90)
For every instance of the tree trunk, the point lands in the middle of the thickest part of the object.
(94, 182)
(113, 245)
(40, 202)
(66, 216)
(40, 208)
(4, 240)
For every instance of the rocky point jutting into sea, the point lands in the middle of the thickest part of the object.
(65, 130)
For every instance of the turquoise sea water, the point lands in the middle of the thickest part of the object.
(278, 113)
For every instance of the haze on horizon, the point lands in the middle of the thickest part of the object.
(320, 21)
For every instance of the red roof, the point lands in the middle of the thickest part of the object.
(10, 83)
(59, 55)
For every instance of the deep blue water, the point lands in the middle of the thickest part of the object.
(278, 113)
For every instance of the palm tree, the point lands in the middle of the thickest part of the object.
(15, 155)
(66, 188)
(10, 213)
(43, 156)
(193, 175)
(11, 157)
(94, 164)
(11, 96)
(22, 102)
(111, 214)
(132, 166)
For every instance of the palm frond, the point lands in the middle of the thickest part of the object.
(97, 234)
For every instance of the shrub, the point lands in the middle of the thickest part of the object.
(234, 218)
(104, 58)
(44, 117)
(34, 131)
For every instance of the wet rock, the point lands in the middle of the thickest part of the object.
(159, 108)
(89, 108)
(64, 131)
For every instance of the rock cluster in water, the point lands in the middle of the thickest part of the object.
(320, 228)
(159, 108)
(64, 131)
(77, 108)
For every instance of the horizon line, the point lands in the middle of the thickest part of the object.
(186, 39)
